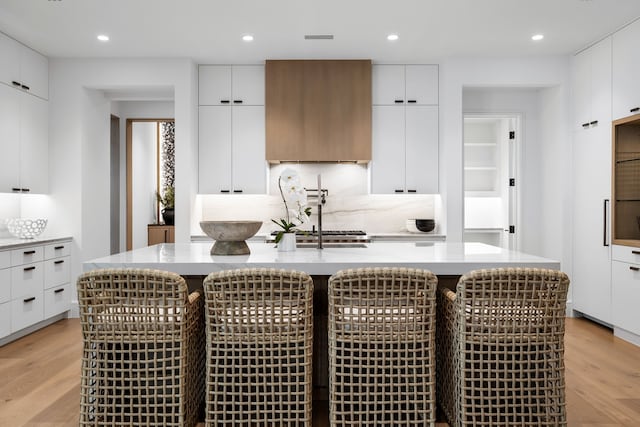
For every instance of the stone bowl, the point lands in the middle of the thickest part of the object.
(230, 236)
(26, 228)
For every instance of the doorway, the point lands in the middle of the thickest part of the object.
(150, 172)
(490, 179)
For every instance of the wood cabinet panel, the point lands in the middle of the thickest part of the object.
(160, 234)
(318, 110)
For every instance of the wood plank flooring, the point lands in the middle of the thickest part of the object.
(39, 378)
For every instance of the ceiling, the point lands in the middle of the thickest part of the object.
(210, 31)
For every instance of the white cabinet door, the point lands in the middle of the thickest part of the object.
(591, 278)
(34, 73)
(5, 319)
(626, 296)
(34, 144)
(10, 139)
(248, 150)
(214, 85)
(421, 149)
(421, 84)
(388, 149)
(601, 84)
(247, 84)
(214, 157)
(626, 68)
(581, 89)
(388, 84)
(10, 51)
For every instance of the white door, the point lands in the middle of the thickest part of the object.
(421, 157)
(249, 168)
(10, 138)
(214, 150)
(490, 179)
(388, 149)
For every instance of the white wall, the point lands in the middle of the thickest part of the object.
(551, 76)
(79, 142)
(144, 153)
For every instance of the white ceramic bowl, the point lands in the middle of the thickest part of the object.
(26, 228)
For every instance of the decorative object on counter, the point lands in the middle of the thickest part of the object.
(26, 228)
(421, 225)
(168, 202)
(297, 212)
(287, 242)
(230, 236)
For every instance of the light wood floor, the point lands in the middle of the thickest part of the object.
(39, 378)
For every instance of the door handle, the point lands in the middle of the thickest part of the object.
(605, 240)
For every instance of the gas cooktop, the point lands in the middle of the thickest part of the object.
(349, 236)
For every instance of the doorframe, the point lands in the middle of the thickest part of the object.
(515, 167)
(129, 173)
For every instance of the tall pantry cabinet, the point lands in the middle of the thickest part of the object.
(591, 279)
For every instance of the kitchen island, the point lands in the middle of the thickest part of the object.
(442, 258)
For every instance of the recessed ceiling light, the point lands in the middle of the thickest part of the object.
(247, 38)
(392, 37)
(103, 38)
(537, 37)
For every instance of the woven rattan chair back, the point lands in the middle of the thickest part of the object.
(382, 347)
(501, 348)
(143, 353)
(259, 325)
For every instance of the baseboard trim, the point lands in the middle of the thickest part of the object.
(30, 329)
(627, 336)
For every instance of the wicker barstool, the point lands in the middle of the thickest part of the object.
(259, 325)
(143, 355)
(500, 344)
(382, 347)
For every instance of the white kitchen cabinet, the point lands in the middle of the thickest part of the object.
(591, 278)
(23, 68)
(231, 85)
(626, 295)
(38, 280)
(591, 76)
(625, 69)
(405, 84)
(24, 165)
(232, 150)
(405, 149)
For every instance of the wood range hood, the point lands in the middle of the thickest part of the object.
(318, 110)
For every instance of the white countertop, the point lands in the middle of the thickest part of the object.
(439, 257)
(15, 243)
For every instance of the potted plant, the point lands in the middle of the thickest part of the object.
(168, 203)
(296, 210)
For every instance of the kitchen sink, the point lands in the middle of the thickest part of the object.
(331, 245)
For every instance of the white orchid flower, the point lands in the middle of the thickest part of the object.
(289, 177)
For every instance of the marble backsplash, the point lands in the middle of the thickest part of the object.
(348, 205)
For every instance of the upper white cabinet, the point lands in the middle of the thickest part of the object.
(405, 84)
(591, 279)
(23, 68)
(626, 68)
(231, 84)
(404, 129)
(24, 165)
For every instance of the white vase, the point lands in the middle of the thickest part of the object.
(287, 243)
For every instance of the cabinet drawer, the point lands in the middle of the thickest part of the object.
(626, 254)
(5, 259)
(26, 280)
(5, 319)
(56, 300)
(56, 272)
(26, 311)
(27, 255)
(625, 294)
(56, 250)
(5, 285)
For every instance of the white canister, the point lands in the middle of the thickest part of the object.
(287, 243)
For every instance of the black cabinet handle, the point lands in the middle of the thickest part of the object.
(585, 125)
(25, 190)
(57, 248)
(633, 110)
(634, 268)
(29, 268)
(165, 236)
(29, 252)
(399, 191)
(412, 101)
(237, 101)
(635, 252)
(15, 189)
(605, 241)
(15, 83)
(595, 122)
(25, 87)
(224, 191)
(29, 299)
(57, 291)
(412, 191)
(399, 101)
(224, 101)
(237, 191)
(58, 262)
